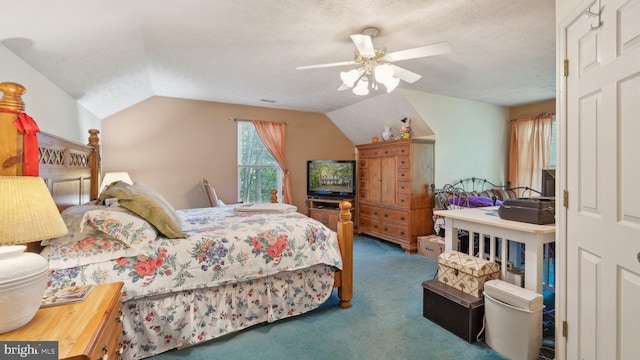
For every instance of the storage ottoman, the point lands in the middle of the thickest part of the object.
(465, 272)
(454, 310)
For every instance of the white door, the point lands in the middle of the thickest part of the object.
(600, 165)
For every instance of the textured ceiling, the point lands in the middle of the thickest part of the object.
(111, 54)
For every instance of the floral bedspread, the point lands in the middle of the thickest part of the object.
(223, 247)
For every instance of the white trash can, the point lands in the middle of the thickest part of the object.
(513, 320)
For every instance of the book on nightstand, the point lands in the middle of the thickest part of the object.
(67, 295)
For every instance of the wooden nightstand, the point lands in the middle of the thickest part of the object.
(91, 329)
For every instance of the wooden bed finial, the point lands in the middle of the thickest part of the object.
(12, 96)
(94, 140)
(11, 149)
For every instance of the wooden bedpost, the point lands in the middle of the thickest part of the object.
(10, 137)
(96, 172)
(345, 238)
(274, 196)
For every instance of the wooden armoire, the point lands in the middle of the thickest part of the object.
(394, 199)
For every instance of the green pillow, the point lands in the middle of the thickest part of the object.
(111, 191)
(151, 206)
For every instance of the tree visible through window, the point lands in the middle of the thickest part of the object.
(258, 171)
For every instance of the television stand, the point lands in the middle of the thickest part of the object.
(327, 210)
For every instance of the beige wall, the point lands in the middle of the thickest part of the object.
(171, 144)
(541, 107)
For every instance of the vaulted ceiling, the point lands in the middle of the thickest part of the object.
(111, 54)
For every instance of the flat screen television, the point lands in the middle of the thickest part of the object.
(549, 182)
(331, 179)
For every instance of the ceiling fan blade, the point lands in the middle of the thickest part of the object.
(405, 75)
(423, 51)
(364, 44)
(343, 87)
(318, 66)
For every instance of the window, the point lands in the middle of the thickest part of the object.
(552, 151)
(258, 171)
(531, 147)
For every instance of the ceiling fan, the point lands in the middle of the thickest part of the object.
(377, 64)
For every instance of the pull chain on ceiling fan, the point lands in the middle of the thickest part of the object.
(377, 67)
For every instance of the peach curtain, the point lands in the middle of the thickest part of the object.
(529, 148)
(272, 135)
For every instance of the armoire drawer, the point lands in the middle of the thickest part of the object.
(395, 216)
(404, 200)
(397, 150)
(376, 226)
(384, 215)
(400, 232)
(403, 187)
(403, 162)
(403, 174)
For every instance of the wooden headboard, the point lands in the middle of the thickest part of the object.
(70, 170)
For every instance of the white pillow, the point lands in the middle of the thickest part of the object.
(72, 217)
(127, 227)
(91, 249)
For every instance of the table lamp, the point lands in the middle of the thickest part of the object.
(27, 214)
(112, 177)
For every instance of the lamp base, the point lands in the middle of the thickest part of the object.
(23, 280)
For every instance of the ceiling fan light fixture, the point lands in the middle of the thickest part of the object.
(384, 73)
(391, 84)
(362, 87)
(350, 77)
(376, 64)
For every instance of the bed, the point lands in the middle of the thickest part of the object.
(224, 269)
(477, 192)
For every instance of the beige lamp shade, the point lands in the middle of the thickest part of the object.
(27, 211)
(112, 177)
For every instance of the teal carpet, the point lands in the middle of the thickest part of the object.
(385, 321)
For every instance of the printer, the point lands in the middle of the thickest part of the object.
(534, 210)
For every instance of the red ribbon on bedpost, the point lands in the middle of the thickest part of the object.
(29, 128)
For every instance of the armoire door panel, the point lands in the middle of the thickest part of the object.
(375, 180)
(388, 180)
